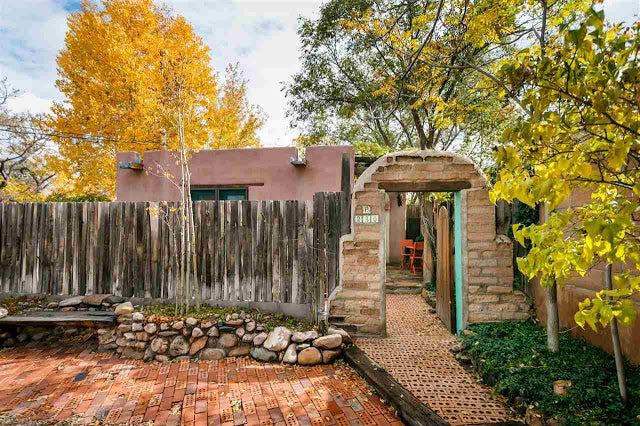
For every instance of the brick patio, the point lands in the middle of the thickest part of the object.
(417, 354)
(75, 385)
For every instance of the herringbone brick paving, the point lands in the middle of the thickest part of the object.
(77, 385)
(417, 354)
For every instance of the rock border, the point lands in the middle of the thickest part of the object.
(212, 338)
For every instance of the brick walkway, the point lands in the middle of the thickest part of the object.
(75, 385)
(417, 355)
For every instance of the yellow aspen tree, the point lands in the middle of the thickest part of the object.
(114, 73)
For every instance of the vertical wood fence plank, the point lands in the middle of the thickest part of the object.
(276, 247)
(27, 217)
(268, 255)
(147, 254)
(3, 245)
(253, 233)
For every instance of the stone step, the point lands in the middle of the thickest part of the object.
(349, 328)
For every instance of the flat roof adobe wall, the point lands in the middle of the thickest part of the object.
(266, 172)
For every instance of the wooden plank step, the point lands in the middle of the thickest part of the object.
(60, 318)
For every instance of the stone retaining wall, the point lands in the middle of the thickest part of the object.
(213, 338)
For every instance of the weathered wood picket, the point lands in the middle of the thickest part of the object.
(257, 251)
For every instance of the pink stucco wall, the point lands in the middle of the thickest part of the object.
(267, 172)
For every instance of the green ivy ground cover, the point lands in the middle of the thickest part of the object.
(513, 359)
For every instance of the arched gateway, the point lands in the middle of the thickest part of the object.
(484, 270)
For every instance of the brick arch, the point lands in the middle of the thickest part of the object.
(487, 270)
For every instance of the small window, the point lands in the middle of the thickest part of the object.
(232, 194)
(222, 194)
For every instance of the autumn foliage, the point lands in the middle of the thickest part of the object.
(119, 71)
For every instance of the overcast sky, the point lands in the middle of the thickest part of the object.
(259, 34)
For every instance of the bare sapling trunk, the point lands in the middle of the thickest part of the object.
(615, 339)
(551, 302)
(196, 282)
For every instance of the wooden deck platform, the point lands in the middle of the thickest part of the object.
(86, 318)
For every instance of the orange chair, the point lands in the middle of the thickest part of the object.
(418, 248)
(404, 245)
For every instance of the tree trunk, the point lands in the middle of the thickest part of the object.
(553, 322)
(615, 339)
(196, 281)
(420, 129)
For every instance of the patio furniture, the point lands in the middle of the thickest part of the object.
(404, 245)
(418, 248)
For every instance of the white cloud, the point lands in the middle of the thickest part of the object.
(27, 101)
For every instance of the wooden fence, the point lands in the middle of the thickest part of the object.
(256, 251)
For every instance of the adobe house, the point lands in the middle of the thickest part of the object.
(235, 174)
(483, 259)
(249, 174)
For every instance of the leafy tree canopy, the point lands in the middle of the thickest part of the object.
(582, 136)
(128, 69)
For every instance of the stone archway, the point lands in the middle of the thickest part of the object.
(487, 270)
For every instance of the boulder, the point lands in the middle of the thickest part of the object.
(113, 299)
(3, 312)
(138, 317)
(304, 336)
(36, 337)
(95, 299)
(168, 333)
(132, 353)
(159, 345)
(191, 322)
(262, 354)
(162, 358)
(178, 325)
(197, 345)
(164, 326)
(213, 332)
(142, 336)
(72, 301)
(124, 308)
(330, 341)
(197, 332)
(228, 340)
(278, 339)
(151, 328)
(50, 305)
(105, 338)
(178, 347)
(208, 323)
(301, 346)
(136, 326)
(211, 354)
(259, 339)
(328, 356)
(212, 342)
(234, 323)
(251, 326)
(346, 337)
(242, 350)
(309, 356)
(148, 355)
(240, 332)
(124, 319)
(248, 338)
(291, 355)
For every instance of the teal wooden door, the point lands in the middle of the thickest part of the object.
(457, 236)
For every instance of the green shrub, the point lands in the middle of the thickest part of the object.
(513, 359)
